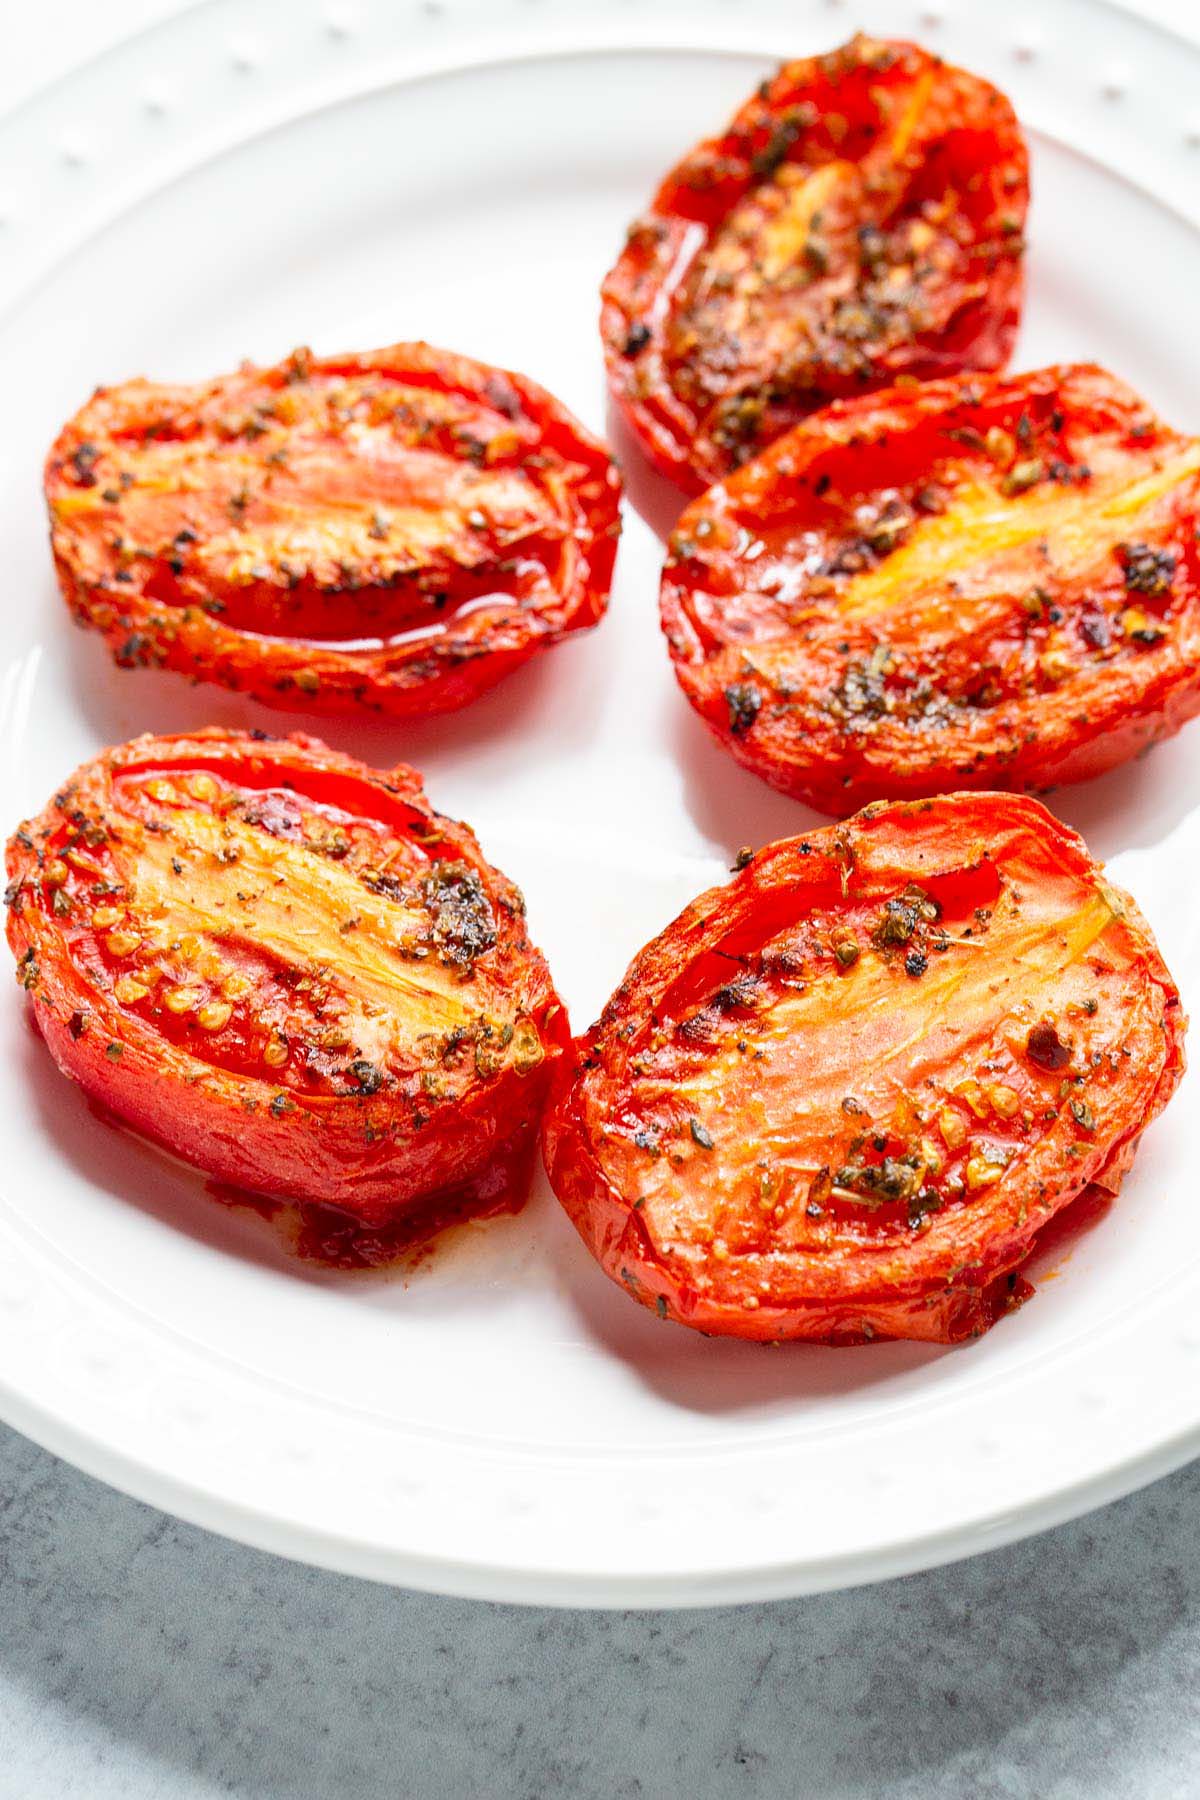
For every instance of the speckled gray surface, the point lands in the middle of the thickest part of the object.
(140, 1657)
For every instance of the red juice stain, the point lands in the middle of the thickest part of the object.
(335, 1239)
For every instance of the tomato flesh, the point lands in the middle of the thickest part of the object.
(986, 582)
(840, 1098)
(393, 531)
(288, 969)
(860, 219)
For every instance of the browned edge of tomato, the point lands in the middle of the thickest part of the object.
(288, 969)
(985, 582)
(392, 531)
(840, 1097)
(860, 220)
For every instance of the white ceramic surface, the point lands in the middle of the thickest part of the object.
(505, 1423)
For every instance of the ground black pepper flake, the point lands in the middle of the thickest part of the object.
(1081, 1112)
(83, 461)
(1147, 569)
(744, 701)
(369, 1077)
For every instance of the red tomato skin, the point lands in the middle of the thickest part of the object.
(356, 1153)
(438, 669)
(667, 241)
(1030, 744)
(848, 1306)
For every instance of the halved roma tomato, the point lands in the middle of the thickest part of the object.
(839, 1098)
(395, 530)
(986, 582)
(287, 968)
(860, 219)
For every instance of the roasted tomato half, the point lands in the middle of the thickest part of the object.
(395, 530)
(860, 219)
(287, 968)
(985, 582)
(839, 1098)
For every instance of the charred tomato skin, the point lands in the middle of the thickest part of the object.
(859, 221)
(391, 531)
(987, 582)
(288, 969)
(841, 1097)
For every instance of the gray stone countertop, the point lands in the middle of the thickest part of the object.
(142, 1658)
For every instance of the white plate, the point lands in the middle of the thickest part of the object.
(505, 1423)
